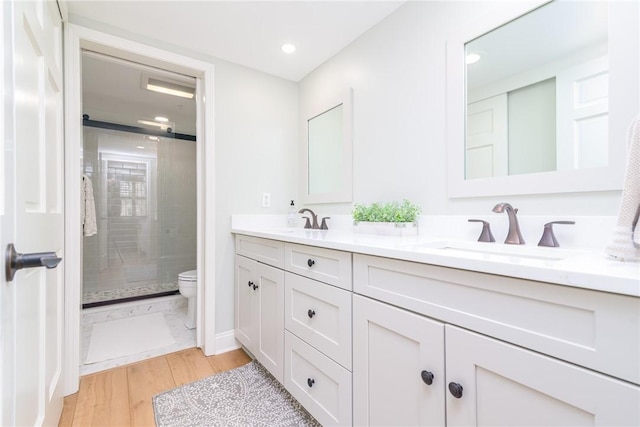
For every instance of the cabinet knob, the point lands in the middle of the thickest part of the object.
(427, 377)
(310, 382)
(455, 389)
(311, 313)
(254, 286)
(250, 283)
(310, 262)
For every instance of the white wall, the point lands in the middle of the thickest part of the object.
(256, 122)
(397, 72)
(256, 152)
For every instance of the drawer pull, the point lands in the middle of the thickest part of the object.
(311, 313)
(455, 389)
(427, 377)
(250, 283)
(310, 382)
(254, 286)
(310, 262)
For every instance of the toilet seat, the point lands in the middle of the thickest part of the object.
(188, 276)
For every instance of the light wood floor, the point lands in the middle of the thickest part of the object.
(122, 396)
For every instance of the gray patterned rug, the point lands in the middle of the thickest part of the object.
(245, 396)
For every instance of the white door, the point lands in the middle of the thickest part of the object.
(582, 115)
(487, 152)
(31, 207)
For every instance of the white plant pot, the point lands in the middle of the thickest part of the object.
(386, 228)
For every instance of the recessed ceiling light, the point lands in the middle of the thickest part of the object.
(161, 119)
(472, 58)
(288, 48)
(140, 147)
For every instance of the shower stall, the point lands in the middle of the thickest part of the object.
(144, 193)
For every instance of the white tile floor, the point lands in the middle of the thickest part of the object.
(174, 309)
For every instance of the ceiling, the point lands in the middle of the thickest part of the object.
(248, 33)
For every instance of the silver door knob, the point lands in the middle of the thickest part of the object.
(15, 261)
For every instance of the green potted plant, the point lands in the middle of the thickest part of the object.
(389, 218)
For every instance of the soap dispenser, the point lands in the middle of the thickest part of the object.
(292, 217)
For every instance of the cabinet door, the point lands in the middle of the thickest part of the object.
(393, 350)
(505, 385)
(246, 302)
(270, 319)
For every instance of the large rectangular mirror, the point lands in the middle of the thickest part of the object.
(327, 151)
(537, 104)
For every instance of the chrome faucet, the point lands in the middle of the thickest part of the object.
(514, 236)
(314, 218)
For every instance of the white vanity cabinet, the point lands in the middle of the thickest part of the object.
(259, 301)
(498, 382)
(367, 340)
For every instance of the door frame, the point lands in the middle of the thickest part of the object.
(77, 38)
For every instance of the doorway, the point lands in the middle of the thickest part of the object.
(139, 160)
(77, 40)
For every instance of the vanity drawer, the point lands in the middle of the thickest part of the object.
(264, 250)
(326, 265)
(321, 385)
(594, 329)
(320, 315)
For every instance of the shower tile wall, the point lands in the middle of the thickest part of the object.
(146, 209)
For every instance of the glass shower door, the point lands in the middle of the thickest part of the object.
(145, 197)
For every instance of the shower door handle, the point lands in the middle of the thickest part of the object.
(15, 261)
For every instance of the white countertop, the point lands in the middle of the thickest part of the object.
(587, 269)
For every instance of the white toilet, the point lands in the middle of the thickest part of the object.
(187, 283)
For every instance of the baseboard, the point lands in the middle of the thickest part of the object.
(226, 341)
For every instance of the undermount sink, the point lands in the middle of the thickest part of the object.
(514, 251)
(285, 229)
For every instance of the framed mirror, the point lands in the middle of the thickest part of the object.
(539, 98)
(327, 151)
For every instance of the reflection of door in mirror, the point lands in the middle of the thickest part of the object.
(550, 68)
(486, 148)
(582, 120)
(325, 141)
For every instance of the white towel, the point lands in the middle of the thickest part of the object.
(88, 208)
(625, 245)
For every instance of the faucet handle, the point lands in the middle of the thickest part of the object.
(307, 224)
(485, 235)
(548, 238)
(323, 226)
